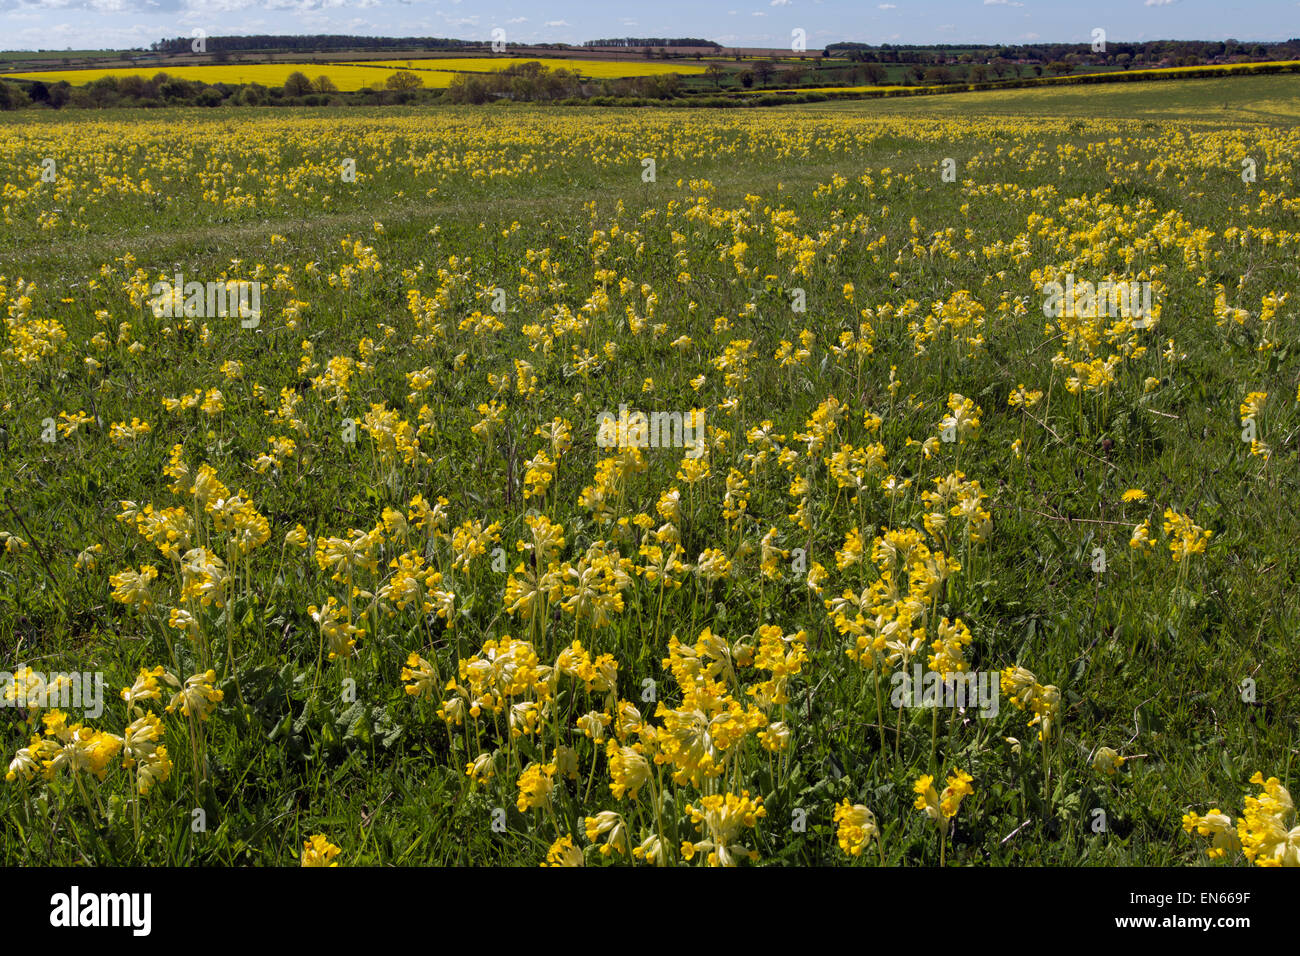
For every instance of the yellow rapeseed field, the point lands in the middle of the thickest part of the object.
(349, 77)
(599, 69)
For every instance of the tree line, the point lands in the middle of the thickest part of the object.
(655, 41)
(314, 43)
(1177, 52)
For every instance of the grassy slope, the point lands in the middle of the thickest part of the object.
(1130, 672)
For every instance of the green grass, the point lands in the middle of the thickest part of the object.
(1146, 663)
(1230, 101)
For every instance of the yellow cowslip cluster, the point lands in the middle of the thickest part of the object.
(1267, 833)
(317, 850)
(941, 807)
(890, 620)
(855, 827)
(698, 740)
(181, 536)
(197, 697)
(1043, 701)
(1268, 828)
(722, 818)
(69, 746)
(77, 748)
(563, 853)
(1107, 761)
(1185, 537)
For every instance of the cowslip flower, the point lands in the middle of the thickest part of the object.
(420, 677)
(942, 807)
(722, 818)
(628, 769)
(563, 853)
(536, 785)
(855, 827)
(1218, 826)
(317, 850)
(1107, 761)
(131, 587)
(198, 697)
(608, 822)
(1267, 830)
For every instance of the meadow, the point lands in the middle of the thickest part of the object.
(383, 572)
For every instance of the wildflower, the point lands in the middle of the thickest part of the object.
(942, 807)
(1218, 826)
(1185, 537)
(130, 587)
(721, 819)
(198, 697)
(611, 823)
(1107, 761)
(563, 853)
(855, 827)
(628, 769)
(1267, 829)
(536, 784)
(317, 850)
(420, 676)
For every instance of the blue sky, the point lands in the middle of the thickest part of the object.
(94, 24)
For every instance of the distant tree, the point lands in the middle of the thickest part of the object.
(323, 84)
(254, 94)
(133, 86)
(297, 84)
(715, 72)
(747, 78)
(39, 92)
(467, 88)
(404, 80)
(1059, 67)
(103, 92)
(666, 86)
(764, 69)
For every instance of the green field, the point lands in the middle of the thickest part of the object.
(854, 327)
